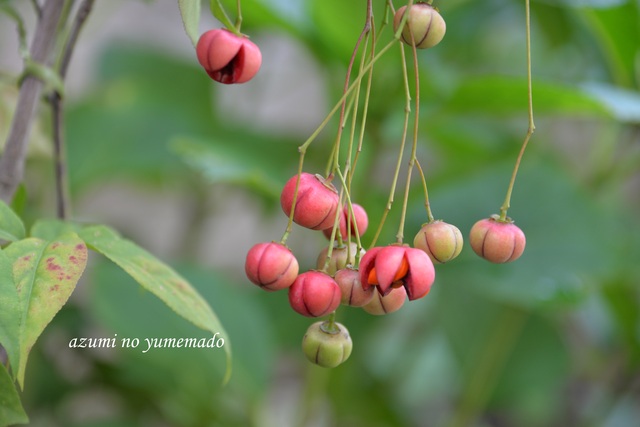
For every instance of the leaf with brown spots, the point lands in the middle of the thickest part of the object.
(158, 278)
(11, 226)
(45, 274)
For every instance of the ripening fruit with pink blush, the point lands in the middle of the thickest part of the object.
(351, 288)
(380, 305)
(228, 58)
(424, 25)
(497, 241)
(341, 256)
(272, 266)
(441, 241)
(361, 222)
(314, 294)
(316, 204)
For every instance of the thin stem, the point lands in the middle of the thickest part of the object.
(63, 206)
(294, 202)
(414, 146)
(427, 205)
(407, 111)
(239, 17)
(365, 30)
(13, 157)
(356, 81)
(365, 109)
(331, 162)
(332, 238)
(507, 201)
(355, 225)
(329, 325)
(217, 9)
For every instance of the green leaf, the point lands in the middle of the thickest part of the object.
(159, 279)
(45, 274)
(49, 229)
(11, 226)
(11, 311)
(11, 411)
(220, 165)
(190, 12)
(508, 96)
(617, 32)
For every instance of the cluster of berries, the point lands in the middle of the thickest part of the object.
(381, 279)
(385, 276)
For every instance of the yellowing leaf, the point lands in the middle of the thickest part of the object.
(45, 274)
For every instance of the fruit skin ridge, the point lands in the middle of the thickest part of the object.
(272, 266)
(316, 204)
(327, 349)
(424, 22)
(314, 294)
(228, 58)
(497, 241)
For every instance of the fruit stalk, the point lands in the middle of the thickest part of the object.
(414, 146)
(507, 201)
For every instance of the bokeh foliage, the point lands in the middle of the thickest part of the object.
(550, 340)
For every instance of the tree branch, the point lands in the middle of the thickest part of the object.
(62, 186)
(13, 157)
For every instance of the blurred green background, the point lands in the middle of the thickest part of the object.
(192, 170)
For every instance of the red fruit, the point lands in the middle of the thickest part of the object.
(272, 266)
(497, 241)
(441, 241)
(228, 58)
(361, 222)
(314, 294)
(389, 303)
(351, 288)
(395, 266)
(316, 204)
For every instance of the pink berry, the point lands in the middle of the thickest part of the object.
(228, 58)
(394, 266)
(316, 204)
(361, 222)
(351, 288)
(389, 303)
(497, 241)
(272, 266)
(314, 294)
(441, 241)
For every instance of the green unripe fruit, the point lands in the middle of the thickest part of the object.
(424, 23)
(327, 345)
